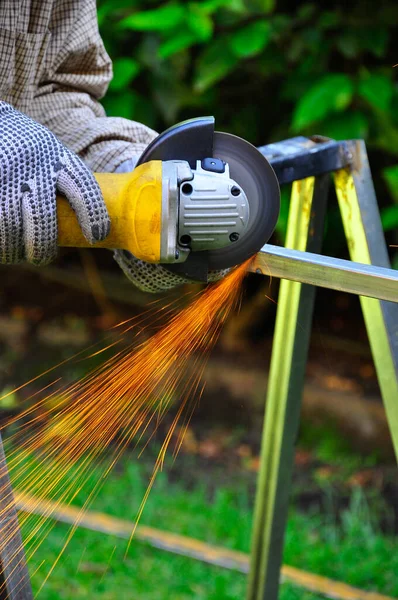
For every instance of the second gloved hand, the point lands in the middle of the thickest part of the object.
(149, 277)
(34, 165)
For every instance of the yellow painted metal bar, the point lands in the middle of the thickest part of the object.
(372, 309)
(215, 555)
(134, 202)
(283, 403)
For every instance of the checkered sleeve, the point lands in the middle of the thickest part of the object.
(76, 75)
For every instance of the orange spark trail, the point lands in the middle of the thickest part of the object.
(115, 405)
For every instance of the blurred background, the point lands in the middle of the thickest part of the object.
(267, 70)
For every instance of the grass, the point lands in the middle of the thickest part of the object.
(328, 445)
(96, 565)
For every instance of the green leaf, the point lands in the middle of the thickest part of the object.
(199, 22)
(214, 64)
(176, 43)
(102, 13)
(130, 105)
(332, 93)
(124, 71)
(212, 6)
(389, 217)
(390, 175)
(250, 40)
(159, 19)
(349, 44)
(120, 104)
(347, 126)
(377, 90)
(329, 20)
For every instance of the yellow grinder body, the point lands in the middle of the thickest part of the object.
(134, 203)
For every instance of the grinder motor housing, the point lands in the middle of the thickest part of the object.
(182, 206)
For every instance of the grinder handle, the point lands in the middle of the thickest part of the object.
(134, 203)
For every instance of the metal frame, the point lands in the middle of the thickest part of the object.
(324, 271)
(366, 243)
(306, 162)
(288, 363)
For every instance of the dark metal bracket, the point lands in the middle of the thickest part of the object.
(301, 157)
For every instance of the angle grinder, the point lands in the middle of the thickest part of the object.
(198, 200)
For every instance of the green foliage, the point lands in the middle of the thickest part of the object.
(332, 93)
(377, 90)
(267, 70)
(96, 565)
(163, 18)
(125, 70)
(328, 445)
(250, 39)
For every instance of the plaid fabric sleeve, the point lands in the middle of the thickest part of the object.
(76, 74)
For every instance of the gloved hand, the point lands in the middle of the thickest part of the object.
(33, 166)
(149, 277)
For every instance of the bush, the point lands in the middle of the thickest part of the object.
(267, 71)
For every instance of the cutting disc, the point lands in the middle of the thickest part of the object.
(195, 140)
(251, 170)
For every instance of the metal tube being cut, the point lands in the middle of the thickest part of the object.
(327, 272)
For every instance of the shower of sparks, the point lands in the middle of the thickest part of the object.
(119, 403)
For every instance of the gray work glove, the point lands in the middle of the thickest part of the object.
(149, 277)
(34, 165)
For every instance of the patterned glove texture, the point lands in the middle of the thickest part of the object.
(149, 277)
(34, 165)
